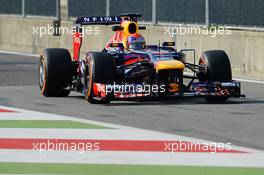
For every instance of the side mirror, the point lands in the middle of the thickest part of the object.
(141, 27)
(117, 28)
(120, 45)
(168, 44)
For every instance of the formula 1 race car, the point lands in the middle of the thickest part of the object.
(127, 68)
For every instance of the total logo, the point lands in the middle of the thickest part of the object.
(229, 84)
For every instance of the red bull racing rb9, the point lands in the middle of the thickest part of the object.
(127, 68)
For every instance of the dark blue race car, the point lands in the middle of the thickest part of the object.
(127, 68)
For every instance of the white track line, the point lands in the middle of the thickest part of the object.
(19, 53)
(133, 158)
(249, 81)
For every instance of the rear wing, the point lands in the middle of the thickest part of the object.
(106, 20)
(98, 20)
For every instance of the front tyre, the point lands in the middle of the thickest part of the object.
(55, 72)
(217, 69)
(100, 70)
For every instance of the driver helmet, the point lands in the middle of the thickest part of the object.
(135, 42)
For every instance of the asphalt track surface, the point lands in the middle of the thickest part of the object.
(238, 121)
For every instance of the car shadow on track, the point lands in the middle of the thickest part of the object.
(187, 102)
(184, 101)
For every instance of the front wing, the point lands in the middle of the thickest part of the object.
(207, 89)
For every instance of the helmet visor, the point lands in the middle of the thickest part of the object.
(137, 46)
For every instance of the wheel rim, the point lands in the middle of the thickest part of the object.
(88, 76)
(41, 74)
(87, 79)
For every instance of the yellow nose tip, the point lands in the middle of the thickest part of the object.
(169, 64)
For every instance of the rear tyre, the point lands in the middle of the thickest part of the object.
(100, 69)
(217, 68)
(55, 72)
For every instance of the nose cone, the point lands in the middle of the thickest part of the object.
(169, 65)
